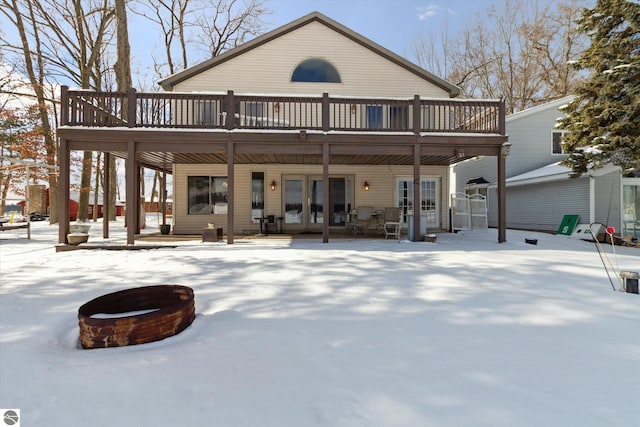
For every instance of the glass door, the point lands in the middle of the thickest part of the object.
(316, 194)
(304, 201)
(339, 201)
(339, 205)
(631, 210)
(293, 199)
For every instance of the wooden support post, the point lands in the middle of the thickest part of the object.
(325, 112)
(131, 108)
(416, 193)
(64, 105)
(106, 191)
(231, 110)
(63, 191)
(230, 191)
(502, 203)
(416, 114)
(325, 194)
(131, 173)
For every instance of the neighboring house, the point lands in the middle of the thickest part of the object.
(305, 123)
(539, 190)
(40, 203)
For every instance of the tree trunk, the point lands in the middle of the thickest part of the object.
(122, 69)
(85, 186)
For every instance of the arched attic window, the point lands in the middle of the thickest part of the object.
(315, 70)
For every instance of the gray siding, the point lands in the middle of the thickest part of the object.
(542, 206)
(530, 134)
(607, 199)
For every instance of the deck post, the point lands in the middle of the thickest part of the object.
(325, 195)
(106, 208)
(131, 215)
(416, 114)
(131, 107)
(64, 105)
(63, 191)
(231, 110)
(416, 192)
(502, 196)
(325, 112)
(230, 191)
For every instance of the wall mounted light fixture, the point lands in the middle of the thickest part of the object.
(366, 186)
(276, 107)
(353, 108)
(504, 151)
(459, 153)
(273, 186)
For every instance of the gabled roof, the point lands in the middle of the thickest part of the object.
(540, 108)
(169, 82)
(554, 172)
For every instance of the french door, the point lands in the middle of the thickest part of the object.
(303, 199)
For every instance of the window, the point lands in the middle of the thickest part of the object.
(558, 148)
(253, 114)
(398, 117)
(374, 116)
(315, 71)
(257, 196)
(205, 113)
(207, 195)
(394, 117)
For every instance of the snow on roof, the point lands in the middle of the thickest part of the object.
(552, 172)
(557, 104)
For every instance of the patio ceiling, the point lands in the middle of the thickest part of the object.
(160, 149)
(163, 161)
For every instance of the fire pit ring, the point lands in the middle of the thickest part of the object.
(166, 310)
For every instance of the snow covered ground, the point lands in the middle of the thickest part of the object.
(356, 332)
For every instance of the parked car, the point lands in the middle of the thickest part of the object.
(35, 216)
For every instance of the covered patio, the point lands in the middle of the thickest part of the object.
(157, 130)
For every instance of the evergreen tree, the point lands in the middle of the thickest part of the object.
(603, 120)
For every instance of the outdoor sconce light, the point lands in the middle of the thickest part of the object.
(276, 107)
(504, 151)
(366, 186)
(273, 186)
(353, 108)
(459, 153)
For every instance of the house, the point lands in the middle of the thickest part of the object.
(303, 124)
(74, 205)
(40, 203)
(540, 191)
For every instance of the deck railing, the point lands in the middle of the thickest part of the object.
(266, 112)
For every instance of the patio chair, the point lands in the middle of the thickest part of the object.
(270, 225)
(362, 220)
(392, 222)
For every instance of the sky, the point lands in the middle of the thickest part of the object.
(394, 24)
(359, 332)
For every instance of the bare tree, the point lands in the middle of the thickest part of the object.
(122, 71)
(66, 40)
(22, 15)
(170, 16)
(518, 51)
(206, 26)
(225, 24)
